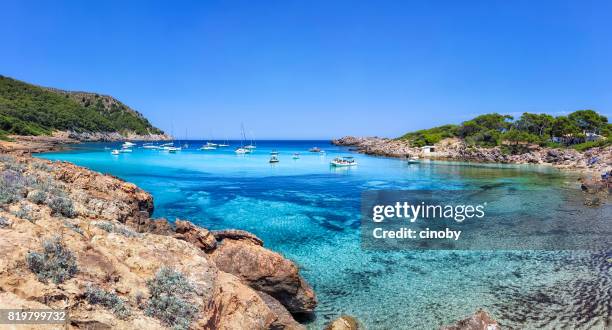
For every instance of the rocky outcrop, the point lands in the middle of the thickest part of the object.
(237, 235)
(481, 320)
(199, 237)
(344, 322)
(104, 223)
(266, 271)
(594, 160)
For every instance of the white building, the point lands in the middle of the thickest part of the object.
(427, 150)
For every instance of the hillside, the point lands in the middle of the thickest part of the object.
(26, 109)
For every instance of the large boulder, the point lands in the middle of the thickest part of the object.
(266, 271)
(481, 320)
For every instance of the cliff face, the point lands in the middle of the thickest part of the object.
(79, 240)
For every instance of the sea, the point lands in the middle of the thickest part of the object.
(309, 212)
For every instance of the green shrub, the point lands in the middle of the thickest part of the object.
(24, 212)
(11, 163)
(592, 144)
(12, 187)
(62, 206)
(73, 227)
(37, 197)
(4, 223)
(109, 300)
(171, 299)
(116, 228)
(55, 262)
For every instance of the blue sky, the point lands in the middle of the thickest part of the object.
(316, 69)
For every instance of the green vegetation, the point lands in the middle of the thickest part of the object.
(26, 109)
(55, 262)
(171, 299)
(493, 129)
(432, 135)
(109, 300)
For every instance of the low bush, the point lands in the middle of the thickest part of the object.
(55, 262)
(12, 187)
(62, 206)
(109, 300)
(11, 163)
(4, 223)
(37, 197)
(24, 212)
(592, 144)
(42, 166)
(115, 228)
(74, 227)
(171, 299)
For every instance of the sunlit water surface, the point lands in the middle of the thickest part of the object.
(309, 212)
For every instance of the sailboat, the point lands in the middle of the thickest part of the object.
(242, 149)
(251, 145)
(224, 144)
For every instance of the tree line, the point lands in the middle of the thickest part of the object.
(580, 129)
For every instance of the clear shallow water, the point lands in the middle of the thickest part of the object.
(310, 213)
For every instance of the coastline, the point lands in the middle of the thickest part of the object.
(456, 150)
(43, 143)
(106, 225)
(231, 253)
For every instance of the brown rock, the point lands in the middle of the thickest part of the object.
(266, 271)
(236, 234)
(200, 237)
(479, 321)
(284, 320)
(344, 322)
(236, 306)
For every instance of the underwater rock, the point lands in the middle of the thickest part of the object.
(479, 321)
(344, 322)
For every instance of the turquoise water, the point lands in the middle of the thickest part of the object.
(309, 212)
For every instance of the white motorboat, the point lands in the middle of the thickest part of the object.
(274, 159)
(127, 144)
(173, 149)
(115, 152)
(207, 147)
(296, 155)
(148, 146)
(242, 151)
(413, 160)
(343, 161)
(315, 149)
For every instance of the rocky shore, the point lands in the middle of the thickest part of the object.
(457, 150)
(33, 144)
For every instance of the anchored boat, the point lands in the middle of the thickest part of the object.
(343, 161)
